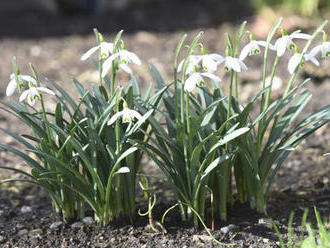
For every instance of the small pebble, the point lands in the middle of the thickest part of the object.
(204, 238)
(55, 225)
(35, 232)
(1, 212)
(265, 240)
(88, 220)
(19, 226)
(227, 229)
(266, 222)
(77, 225)
(2, 239)
(26, 209)
(22, 232)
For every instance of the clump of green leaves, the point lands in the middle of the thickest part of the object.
(319, 238)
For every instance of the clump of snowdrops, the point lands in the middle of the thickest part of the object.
(88, 151)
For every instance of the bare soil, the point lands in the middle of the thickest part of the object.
(36, 33)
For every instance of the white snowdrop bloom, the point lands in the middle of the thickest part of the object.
(125, 57)
(286, 41)
(324, 48)
(33, 93)
(127, 116)
(234, 64)
(294, 62)
(105, 49)
(211, 61)
(277, 82)
(253, 48)
(13, 84)
(196, 78)
(192, 66)
(311, 57)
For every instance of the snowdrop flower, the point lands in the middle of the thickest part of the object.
(125, 57)
(286, 41)
(13, 84)
(324, 48)
(234, 64)
(297, 60)
(193, 62)
(311, 57)
(105, 49)
(253, 47)
(196, 78)
(33, 94)
(210, 61)
(127, 116)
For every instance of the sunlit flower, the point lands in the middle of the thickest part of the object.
(33, 93)
(105, 48)
(211, 61)
(127, 116)
(252, 48)
(125, 57)
(234, 64)
(13, 84)
(196, 78)
(192, 66)
(294, 62)
(324, 48)
(286, 41)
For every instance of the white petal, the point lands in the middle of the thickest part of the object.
(217, 57)
(325, 49)
(180, 65)
(106, 48)
(125, 68)
(24, 95)
(89, 53)
(135, 114)
(131, 57)
(211, 76)
(242, 65)
(315, 50)
(281, 45)
(209, 64)
(108, 63)
(123, 170)
(45, 90)
(11, 87)
(191, 82)
(245, 51)
(232, 63)
(28, 78)
(115, 117)
(300, 36)
(294, 62)
(261, 43)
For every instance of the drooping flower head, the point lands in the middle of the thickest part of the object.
(197, 78)
(18, 82)
(285, 41)
(324, 48)
(253, 47)
(104, 47)
(126, 114)
(124, 58)
(33, 94)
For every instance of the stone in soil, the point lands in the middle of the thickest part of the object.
(56, 225)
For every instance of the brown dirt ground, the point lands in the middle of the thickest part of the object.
(54, 45)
